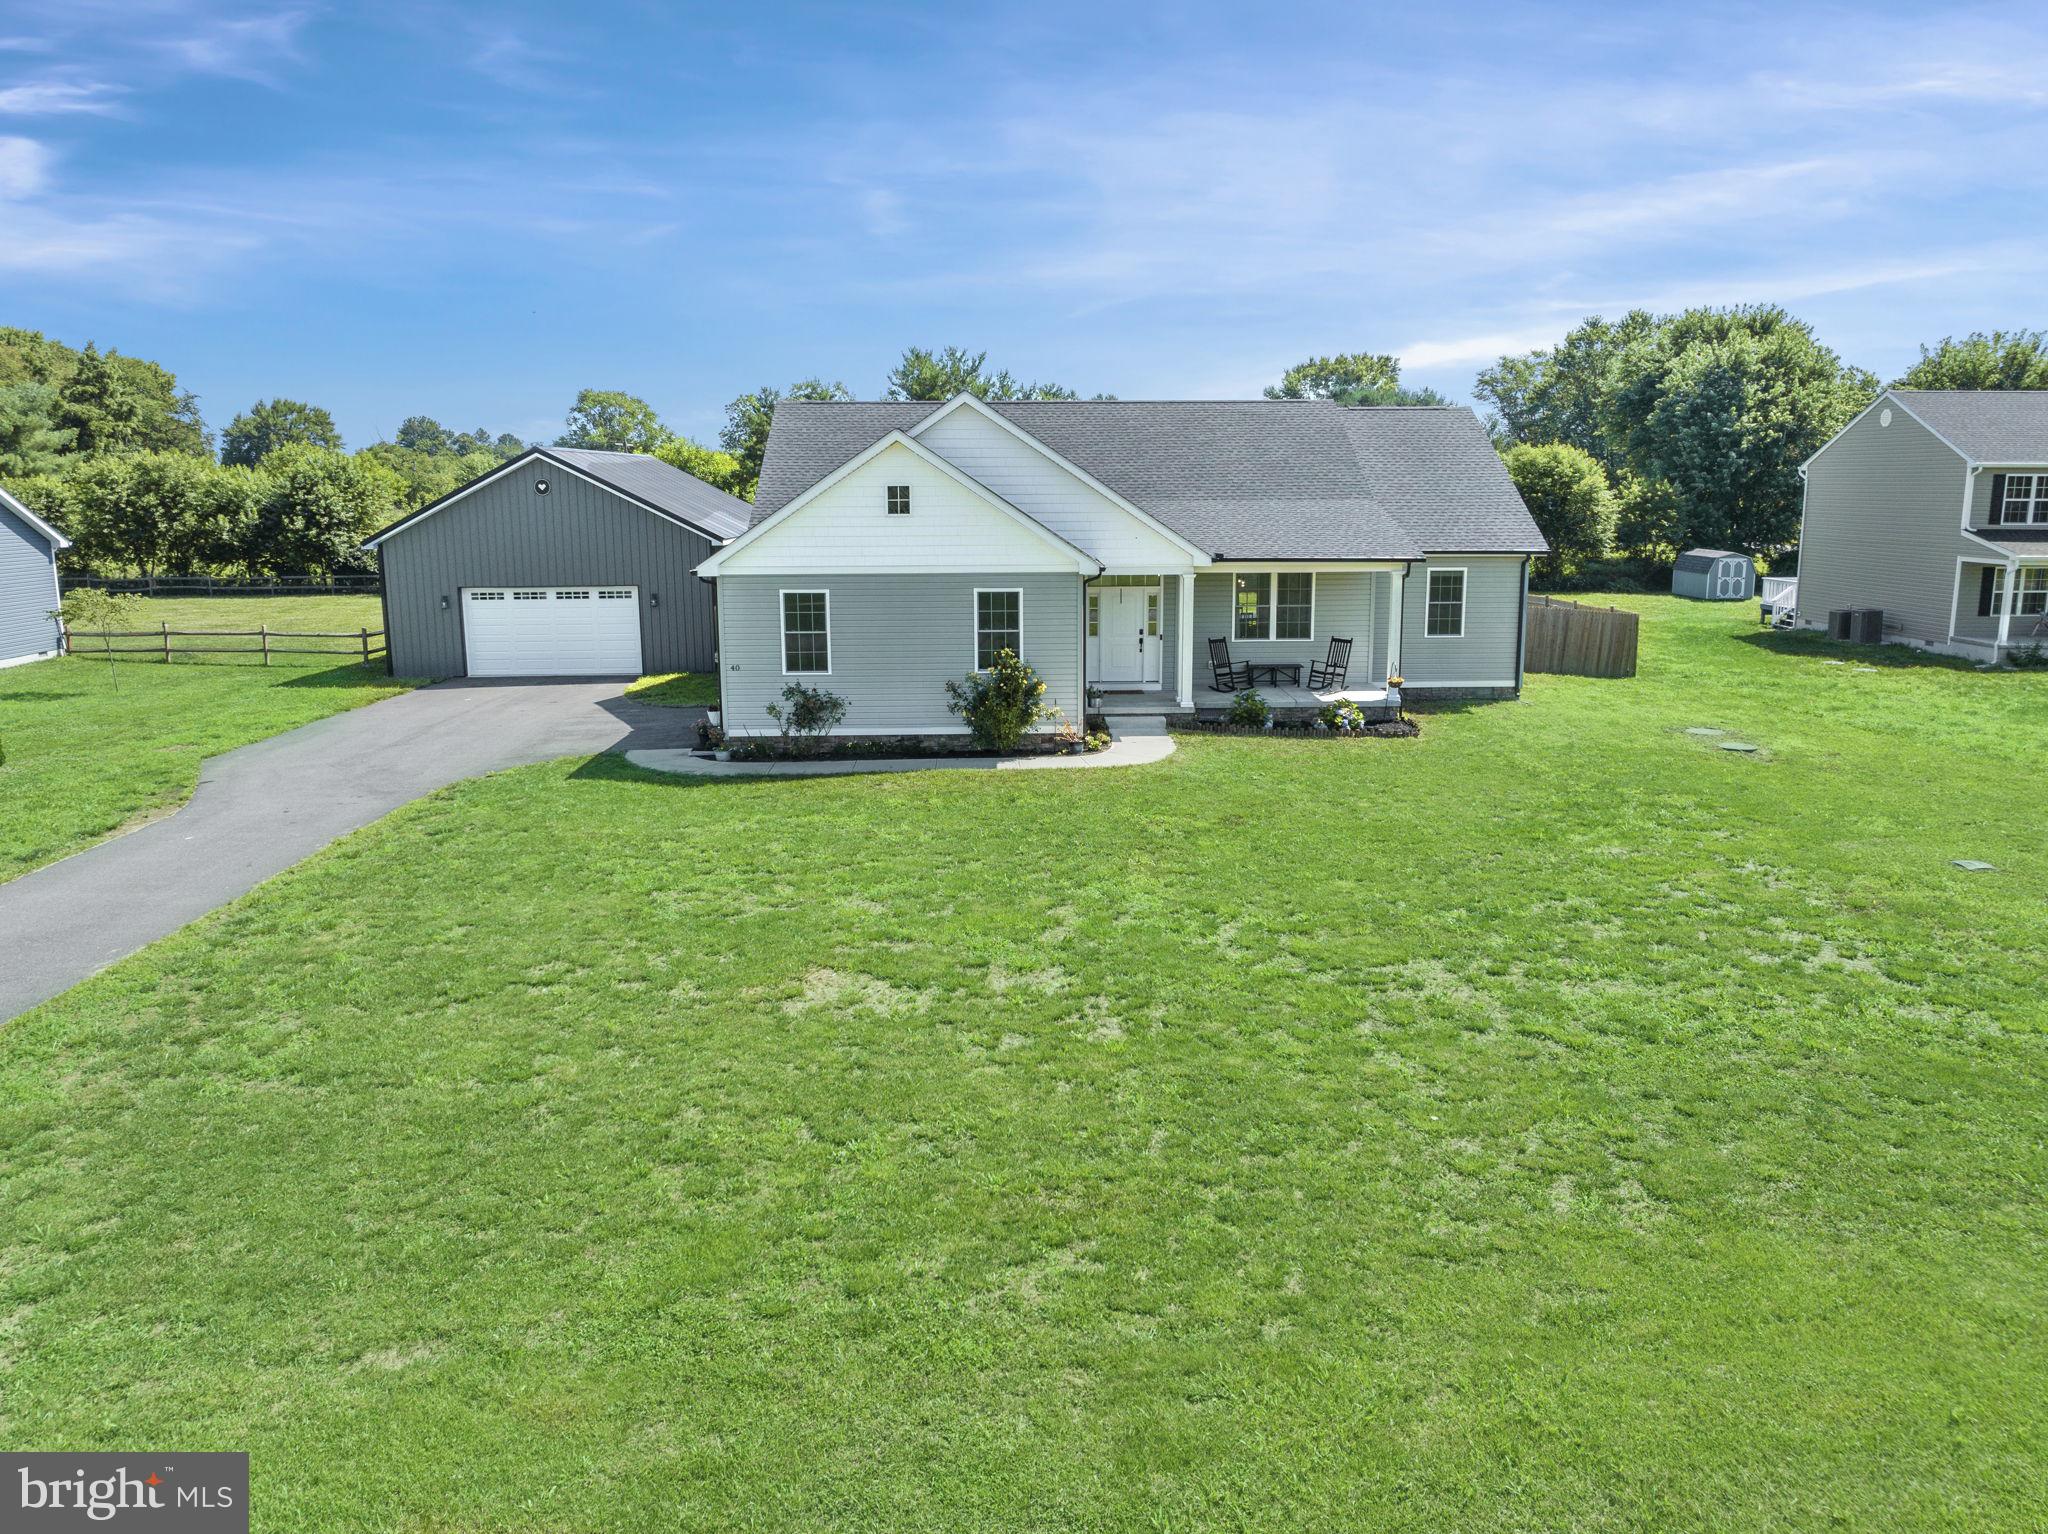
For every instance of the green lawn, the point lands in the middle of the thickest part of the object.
(1554, 1122)
(679, 689)
(89, 750)
(330, 614)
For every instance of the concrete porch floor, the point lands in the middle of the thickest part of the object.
(1116, 704)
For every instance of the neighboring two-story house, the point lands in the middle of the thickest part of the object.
(1119, 547)
(1932, 505)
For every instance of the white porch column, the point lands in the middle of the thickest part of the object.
(1184, 639)
(2012, 599)
(1395, 615)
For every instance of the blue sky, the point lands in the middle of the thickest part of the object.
(425, 207)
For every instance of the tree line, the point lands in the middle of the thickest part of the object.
(1635, 437)
(1650, 434)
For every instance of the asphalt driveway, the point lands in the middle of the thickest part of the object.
(262, 808)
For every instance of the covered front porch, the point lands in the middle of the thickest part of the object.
(2001, 608)
(1148, 635)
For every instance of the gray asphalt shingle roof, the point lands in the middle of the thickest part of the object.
(662, 485)
(1241, 479)
(1988, 425)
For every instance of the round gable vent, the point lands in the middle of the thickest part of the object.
(1884, 416)
(540, 486)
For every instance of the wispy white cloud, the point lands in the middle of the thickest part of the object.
(40, 98)
(1788, 285)
(24, 167)
(253, 48)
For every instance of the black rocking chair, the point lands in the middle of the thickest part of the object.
(1331, 671)
(1227, 675)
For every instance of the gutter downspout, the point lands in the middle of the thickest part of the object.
(1522, 627)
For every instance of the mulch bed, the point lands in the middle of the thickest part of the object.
(1385, 729)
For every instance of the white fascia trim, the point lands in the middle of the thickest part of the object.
(1938, 437)
(1411, 685)
(413, 519)
(965, 401)
(57, 539)
(1082, 560)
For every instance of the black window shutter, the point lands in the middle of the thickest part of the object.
(1984, 589)
(1997, 499)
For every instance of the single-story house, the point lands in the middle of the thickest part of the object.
(896, 545)
(28, 585)
(1932, 507)
(561, 562)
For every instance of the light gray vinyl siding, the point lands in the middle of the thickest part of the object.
(1348, 605)
(578, 534)
(1485, 654)
(28, 590)
(1968, 624)
(896, 640)
(1880, 530)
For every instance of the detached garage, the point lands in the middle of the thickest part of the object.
(563, 562)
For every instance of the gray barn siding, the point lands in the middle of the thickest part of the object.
(896, 640)
(578, 534)
(1880, 529)
(1486, 654)
(28, 590)
(1347, 603)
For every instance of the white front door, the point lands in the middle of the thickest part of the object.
(552, 630)
(1126, 640)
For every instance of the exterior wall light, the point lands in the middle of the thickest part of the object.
(444, 604)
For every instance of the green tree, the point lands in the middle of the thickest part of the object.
(161, 513)
(31, 441)
(318, 506)
(2004, 359)
(1565, 394)
(712, 465)
(1338, 376)
(1723, 406)
(613, 421)
(98, 406)
(747, 419)
(271, 424)
(924, 374)
(92, 610)
(415, 477)
(165, 417)
(1567, 493)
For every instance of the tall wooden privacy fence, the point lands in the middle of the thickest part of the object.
(165, 641)
(1571, 640)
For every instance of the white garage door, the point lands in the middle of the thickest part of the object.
(552, 630)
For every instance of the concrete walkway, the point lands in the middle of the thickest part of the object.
(262, 808)
(1133, 742)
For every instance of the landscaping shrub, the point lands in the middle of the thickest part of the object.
(1249, 711)
(2029, 658)
(805, 714)
(1001, 703)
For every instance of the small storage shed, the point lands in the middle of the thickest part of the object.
(1714, 575)
(28, 584)
(562, 562)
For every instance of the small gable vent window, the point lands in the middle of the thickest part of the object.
(899, 500)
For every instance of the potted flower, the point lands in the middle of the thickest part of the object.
(1394, 696)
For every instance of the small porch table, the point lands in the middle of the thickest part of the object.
(1273, 673)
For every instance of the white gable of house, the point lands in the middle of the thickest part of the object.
(1025, 477)
(846, 528)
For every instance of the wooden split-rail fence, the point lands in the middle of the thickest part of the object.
(1573, 640)
(165, 641)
